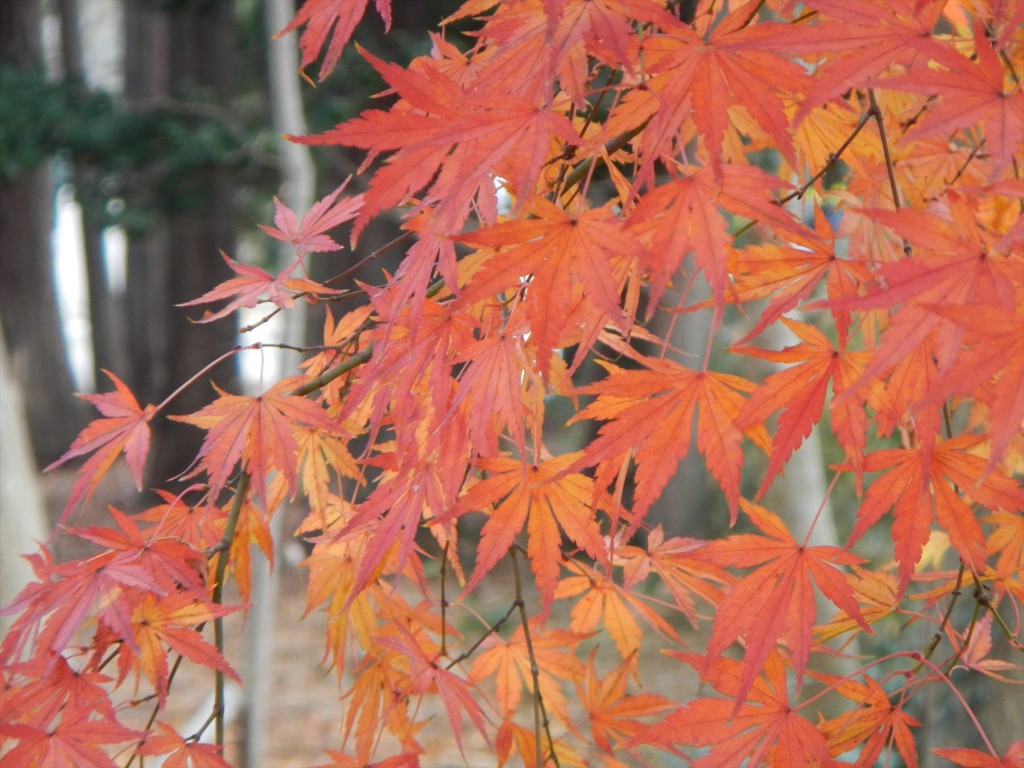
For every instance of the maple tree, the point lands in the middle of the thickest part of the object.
(848, 173)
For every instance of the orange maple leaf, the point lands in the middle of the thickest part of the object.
(611, 712)
(168, 622)
(545, 497)
(510, 663)
(560, 252)
(873, 726)
(650, 413)
(700, 78)
(919, 485)
(687, 214)
(971, 92)
(125, 427)
(181, 752)
(776, 600)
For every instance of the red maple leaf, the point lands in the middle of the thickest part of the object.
(308, 236)
(321, 16)
(764, 730)
(925, 483)
(124, 428)
(800, 391)
(75, 740)
(252, 285)
(972, 758)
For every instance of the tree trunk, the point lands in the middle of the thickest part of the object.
(106, 310)
(168, 51)
(28, 302)
(22, 511)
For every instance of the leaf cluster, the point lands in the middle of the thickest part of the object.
(886, 293)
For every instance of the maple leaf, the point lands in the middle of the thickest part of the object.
(699, 79)
(66, 592)
(393, 511)
(75, 740)
(603, 603)
(765, 730)
(426, 675)
(611, 712)
(197, 527)
(511, 663)
(171, 564)
(123, 428)
(53, 686)
(650, 412)
(972, 758)
(686, 214)
(320, 17)
(682, 574)
(791, 272)
(991, 351)
(252, 285)
(859, 42)
(308, 235)
(259, 431)
(181, 752)
(169, 621)
(775, 600)
(971, 92)
(800, 391)
(875, 725)
(544, 497)
(918, 485)
(456, 138)
(974, 649)
(560, 251)
(957, 262)
(339, 760)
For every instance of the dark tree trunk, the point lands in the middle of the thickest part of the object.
(188, 46)
(28, 302)
(106, 310)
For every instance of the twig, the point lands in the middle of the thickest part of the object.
(218, 589)
(540, 715)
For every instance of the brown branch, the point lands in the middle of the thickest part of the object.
(540, 715)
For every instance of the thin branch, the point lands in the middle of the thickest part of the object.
(218, 590)
(540, 715)
(490, 631)
(331, 374)
(876, 112)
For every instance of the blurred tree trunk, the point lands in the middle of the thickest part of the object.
(171, 49)
(297, 190)
(22, 510)
(28, 301)
(106, 313)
